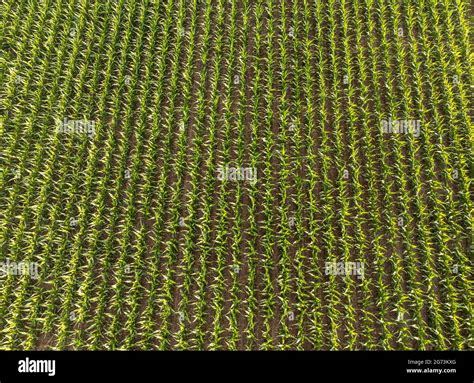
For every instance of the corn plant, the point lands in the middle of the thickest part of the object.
(235, 175)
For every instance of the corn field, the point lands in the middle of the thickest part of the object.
(235, 175)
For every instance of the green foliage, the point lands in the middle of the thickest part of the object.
(140, 245)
